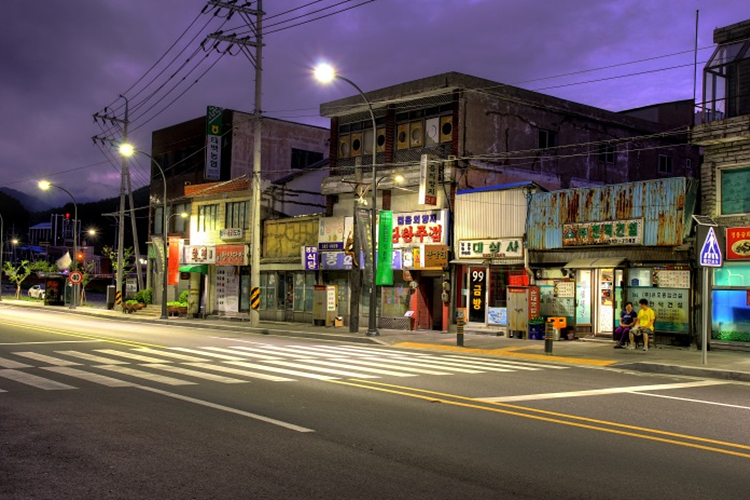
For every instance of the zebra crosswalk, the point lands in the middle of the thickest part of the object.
(237, 364)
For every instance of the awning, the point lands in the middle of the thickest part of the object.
(594, 263)
(194, 268)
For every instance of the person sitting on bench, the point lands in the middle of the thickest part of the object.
(627, 321)
(645, 326)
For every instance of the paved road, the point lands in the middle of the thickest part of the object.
(99, 409)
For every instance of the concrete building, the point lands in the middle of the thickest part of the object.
(724, 135)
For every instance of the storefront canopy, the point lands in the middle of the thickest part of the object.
(194, 268)
(607, 263)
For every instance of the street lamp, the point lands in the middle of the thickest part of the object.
(44, 186)
(2, 226)
(325, 73)
(128, 150)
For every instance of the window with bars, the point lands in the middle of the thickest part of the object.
(238, 215)
(208, 216)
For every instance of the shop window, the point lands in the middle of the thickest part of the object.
(299, 291)
(238, 215)
(208, 216)
(396, 298)
(734, 184)
(309, 291)
(731, 316)
(732, 275)
(268, 290)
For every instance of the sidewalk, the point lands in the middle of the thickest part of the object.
(729, 365)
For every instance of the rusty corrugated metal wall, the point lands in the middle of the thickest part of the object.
(665, 205)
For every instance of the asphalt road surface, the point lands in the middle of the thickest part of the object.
(99, 409)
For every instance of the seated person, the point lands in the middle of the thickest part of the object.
(627, 321)
(645, 326)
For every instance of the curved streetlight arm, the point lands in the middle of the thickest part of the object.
(73, 300)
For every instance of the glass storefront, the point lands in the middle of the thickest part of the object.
(731, 303)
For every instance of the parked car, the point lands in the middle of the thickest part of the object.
(37, 292)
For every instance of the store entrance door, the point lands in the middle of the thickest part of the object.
(604, 300)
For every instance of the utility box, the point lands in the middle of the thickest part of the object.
(54, 294)
(325, 305)
(111, 296)
(523, 305)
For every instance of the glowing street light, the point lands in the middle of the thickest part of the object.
(44, 186)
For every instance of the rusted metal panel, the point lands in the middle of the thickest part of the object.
(664, 205)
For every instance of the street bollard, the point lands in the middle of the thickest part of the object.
(460, 334)
(549, 338)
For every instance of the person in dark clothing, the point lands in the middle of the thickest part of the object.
(628, 318)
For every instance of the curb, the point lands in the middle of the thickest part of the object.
(687, 370)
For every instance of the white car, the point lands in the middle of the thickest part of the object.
(37, 292)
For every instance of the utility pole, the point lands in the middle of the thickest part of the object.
(125, 184)
(253, 18)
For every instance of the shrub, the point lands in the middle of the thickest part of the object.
(132, 302)
(183, 297)
(145, 296)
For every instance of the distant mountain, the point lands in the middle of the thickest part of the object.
(30, 203)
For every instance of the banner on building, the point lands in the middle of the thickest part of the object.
(614, 232)
(491, 249)
(310, 258)
(333, 232)
(738, 243)
(428, 180)
(364, 241)
(199, 254)
(477, 294)
(412, 229)
(385, 248)
(232, 255)
(213, 143)
(173, 264)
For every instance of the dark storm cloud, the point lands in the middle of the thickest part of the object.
(62, 61)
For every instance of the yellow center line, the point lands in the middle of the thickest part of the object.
(547, 416)
(57, 331)
(509, 352)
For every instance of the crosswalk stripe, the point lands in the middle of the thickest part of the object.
(243, 373)
(327, 351)
(209, 354)
(430, 364)
(512, 362)
(130, 355)
(132, 372)
(459, 363)
(194, 373)
(34, 381)
(343, 373)
(242, 351)
(9, 363)
(281, 370)
(364, 362)
(51, 360)
(379, 370)
(284, 350)
(92, 357)
(169, 354)
(366, 351)
(91, 377)
(491, 365)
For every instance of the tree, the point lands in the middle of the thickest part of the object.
(127, 255)
(41, 267)
(88, 275)
(18, 274)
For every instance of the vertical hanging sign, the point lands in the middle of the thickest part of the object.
(428, 181)
(385, 249)
(213, 143)
(477, 305)
(364, 242)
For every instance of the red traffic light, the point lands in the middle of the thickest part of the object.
(67, 215)
(80, 256)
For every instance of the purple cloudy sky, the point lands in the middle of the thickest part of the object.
(61, 61)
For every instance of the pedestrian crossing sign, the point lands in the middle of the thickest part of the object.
(710, 255)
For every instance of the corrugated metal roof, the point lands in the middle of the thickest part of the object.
(664, 205)
(498, 187)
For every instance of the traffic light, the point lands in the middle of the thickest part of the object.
(80, 256)
(67, 215)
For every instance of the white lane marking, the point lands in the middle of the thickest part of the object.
(91, 377)
(237, 371)
(600, 392)
(50, 360)
(405, 360)
(92, 357)
(281, 370)
(379, 370)
(197, 374)
(242, 351)
(168, 354)
(130, 355)
(227, 409)
(132, 372)
(207, 354)
(343, 373)
(689, 400)
(34, 381)
(8, 363)
(52, 342)
(473, 365)
(389, 365)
